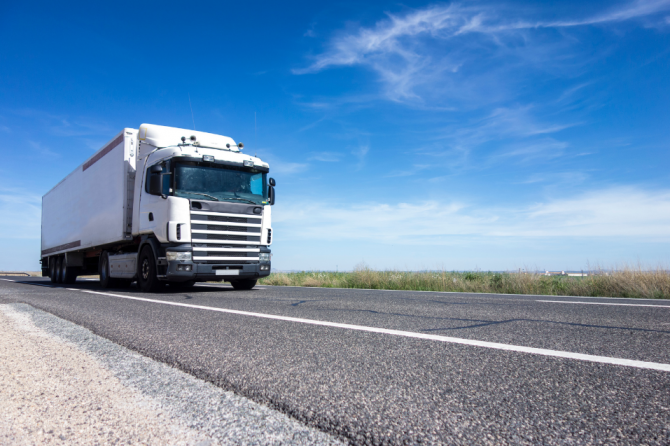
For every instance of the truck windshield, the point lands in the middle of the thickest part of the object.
(220, 183)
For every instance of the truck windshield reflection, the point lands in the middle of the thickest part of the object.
(220, 183)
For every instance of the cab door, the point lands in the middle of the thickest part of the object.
(153, 215)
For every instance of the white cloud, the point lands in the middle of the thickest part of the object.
(632, 10)
(544, 149)
(503, 122)
(62, 125)
(43, 150)
(428, 46)
(616, 212)
(360, 153)
(326, 157)
(557, 178)
(287, 168)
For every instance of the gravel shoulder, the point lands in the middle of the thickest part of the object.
(61, 384)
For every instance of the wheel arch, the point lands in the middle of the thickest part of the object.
(153, 243)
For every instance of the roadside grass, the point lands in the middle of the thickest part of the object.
(626, 282)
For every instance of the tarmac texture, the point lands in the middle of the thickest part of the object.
(378, 388)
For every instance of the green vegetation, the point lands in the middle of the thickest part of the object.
(627, 282)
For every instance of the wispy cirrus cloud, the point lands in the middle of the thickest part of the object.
(437, 46)
(326, 157)
(360, 153)
(67, 126)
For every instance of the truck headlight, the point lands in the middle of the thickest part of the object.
(174, 255)
(264, 257)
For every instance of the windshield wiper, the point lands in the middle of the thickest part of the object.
(199, 193)
(238, 198)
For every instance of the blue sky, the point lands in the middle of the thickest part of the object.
(414, 135)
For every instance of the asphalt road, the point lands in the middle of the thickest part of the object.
(388, 367)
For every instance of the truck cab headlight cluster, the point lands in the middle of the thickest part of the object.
(174, 255)
(264, 256)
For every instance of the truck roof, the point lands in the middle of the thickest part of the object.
(162, 136)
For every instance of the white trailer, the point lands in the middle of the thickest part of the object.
(161, 205)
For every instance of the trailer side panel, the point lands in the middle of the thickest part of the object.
(89, 207)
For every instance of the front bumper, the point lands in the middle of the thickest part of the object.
(201, 272)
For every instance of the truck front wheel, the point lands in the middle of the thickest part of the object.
(146, 275)
(244, 284)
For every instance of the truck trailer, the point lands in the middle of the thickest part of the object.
(161, 205)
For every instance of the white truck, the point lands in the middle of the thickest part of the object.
(161, 205)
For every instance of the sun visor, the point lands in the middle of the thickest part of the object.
(161, 136)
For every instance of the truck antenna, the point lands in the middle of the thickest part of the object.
(189, 104)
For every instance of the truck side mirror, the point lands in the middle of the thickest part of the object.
(157, 169)
(271, 195)
(273, 183)
(156, 182)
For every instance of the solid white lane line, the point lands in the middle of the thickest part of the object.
(601, 303)
(467, 293)
(214, 285)
(8, 280)
(227, 287)
(409, 334)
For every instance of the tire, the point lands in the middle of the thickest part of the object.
(53, 275)
(244, 284)
(59, 269)
(146, 272)
(105, 280)
(70, 273)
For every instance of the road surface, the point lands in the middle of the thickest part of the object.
(397, 367)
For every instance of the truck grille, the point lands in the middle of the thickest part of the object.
(225, 238)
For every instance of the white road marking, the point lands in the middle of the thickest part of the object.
(409, 334)
(214, 285)
(601, 303)
(467, 293)
(8, 280)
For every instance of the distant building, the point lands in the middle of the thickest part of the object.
(563, 273)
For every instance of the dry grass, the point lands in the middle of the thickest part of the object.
(21, 273)
(626, 282)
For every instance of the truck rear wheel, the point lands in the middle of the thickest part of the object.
(59, 269)
(105, 280)
(53, 275)
(244, 284)
(69, 273)
(146, 275)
